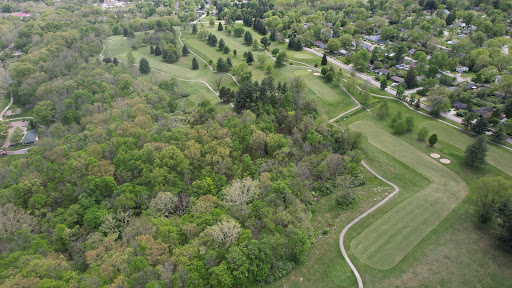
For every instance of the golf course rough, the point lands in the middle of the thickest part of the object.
(382, 244)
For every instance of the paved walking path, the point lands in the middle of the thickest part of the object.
(6, 108)
(342, 235)
(233, 77)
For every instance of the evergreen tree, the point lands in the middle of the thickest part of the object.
(498, 135)
(229, 63)
(125, 32)
(115, 61)
(264, 41)
(158, 51)
(184, 50)
(144, 66)
(324, 60)
(234, 52)
(195, 65)
(481, 126)
(194, 29)
(291, 43)
(220, 28)
(477, 151)
(250, 58)
(221, 43)
(248, 38)
(226, 49)
(212, 40)
(508, 108)
(410, 79)
(298, 45)
(221, 65)
(432, 140)
(151, 50)
(273, 35)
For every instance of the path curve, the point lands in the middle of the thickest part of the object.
(5, 110)
(342, 235)
(344, 113)
(234, 79)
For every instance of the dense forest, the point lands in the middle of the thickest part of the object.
(124, 189)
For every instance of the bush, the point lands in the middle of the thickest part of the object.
(346, 199)
(433, 139)
(422, 134)
(324, 71)
(329, 76)
(326, 189)
(275, 51)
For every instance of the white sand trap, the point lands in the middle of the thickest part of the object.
(435, 155)
(445, 161)
(309, 70)
(317, 74)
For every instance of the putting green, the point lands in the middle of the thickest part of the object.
(495, 156)
(389, 238)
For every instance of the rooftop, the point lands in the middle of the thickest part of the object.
(30, 137)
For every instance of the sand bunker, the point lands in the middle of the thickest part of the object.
(309, 70)
(445, 161)
(317, 74)
(435, 155)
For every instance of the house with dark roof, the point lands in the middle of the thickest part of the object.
(397, 79)
(483, 111)
(459, 105)
(382, 71)
(30, 137)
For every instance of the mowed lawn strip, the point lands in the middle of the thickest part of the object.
(496, 156)
(387, 240)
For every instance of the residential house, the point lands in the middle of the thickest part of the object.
(397, 79)
(459, 105)
(461, 69)
(382, 71)
(484, 111)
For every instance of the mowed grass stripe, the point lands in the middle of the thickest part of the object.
(496, 156)
(386, 241)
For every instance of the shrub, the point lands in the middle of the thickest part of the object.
(422, 134)
(433, 139)
(346, 199)
(324, 71)
(329, 76)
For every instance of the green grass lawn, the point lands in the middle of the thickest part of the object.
(330, 98)
(388, 239)
(119, 47)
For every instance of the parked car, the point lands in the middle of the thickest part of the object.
(3, 153)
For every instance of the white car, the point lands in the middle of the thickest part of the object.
(394, 84)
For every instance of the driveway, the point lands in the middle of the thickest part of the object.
(12, 126)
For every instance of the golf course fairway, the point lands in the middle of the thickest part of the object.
(388, 239)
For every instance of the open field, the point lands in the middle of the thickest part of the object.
(457, 252)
